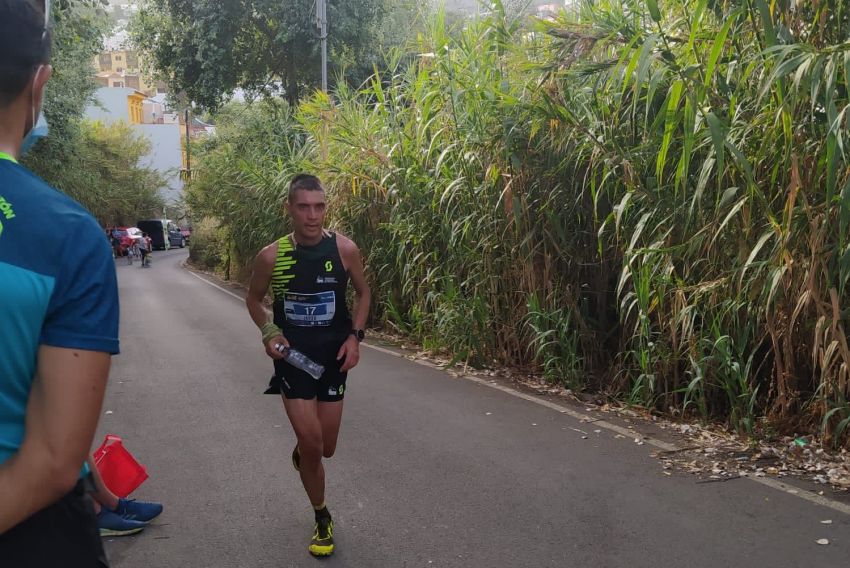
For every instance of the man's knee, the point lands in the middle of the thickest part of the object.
(310, 447)
(328, 450)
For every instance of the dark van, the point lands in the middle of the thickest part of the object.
(164, 233)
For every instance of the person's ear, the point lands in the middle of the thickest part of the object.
(42, 76)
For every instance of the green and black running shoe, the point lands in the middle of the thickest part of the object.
(296, 459)
(323, 539)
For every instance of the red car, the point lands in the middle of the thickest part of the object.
(126, 236)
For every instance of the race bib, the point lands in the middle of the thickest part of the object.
(310, 310)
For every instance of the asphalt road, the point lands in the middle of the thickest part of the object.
(430, 471)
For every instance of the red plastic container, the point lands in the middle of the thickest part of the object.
(120, 471)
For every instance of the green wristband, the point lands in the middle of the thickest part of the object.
(270, 330)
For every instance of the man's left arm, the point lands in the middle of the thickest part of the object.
(78, 335)
(62, 415)
(362, 301)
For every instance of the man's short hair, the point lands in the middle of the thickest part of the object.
(306, 182)
(24, 45)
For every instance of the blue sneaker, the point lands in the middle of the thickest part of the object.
(112, 524)
(140, 511)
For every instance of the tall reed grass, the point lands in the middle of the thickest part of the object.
(648, 200)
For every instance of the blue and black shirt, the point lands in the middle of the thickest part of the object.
(57, 288)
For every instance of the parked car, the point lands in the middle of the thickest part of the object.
(175, 235)
(127, 236)
(164, 233)
(135, 233)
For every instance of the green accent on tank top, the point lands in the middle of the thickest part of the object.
(283, 273)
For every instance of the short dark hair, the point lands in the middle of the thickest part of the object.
(307, 182)
(23, 43)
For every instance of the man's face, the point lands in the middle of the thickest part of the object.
(307, 209)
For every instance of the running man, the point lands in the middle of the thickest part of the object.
(308, 272)
(58, 325)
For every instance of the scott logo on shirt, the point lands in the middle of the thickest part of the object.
(6, 209)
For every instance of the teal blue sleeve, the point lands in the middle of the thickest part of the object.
(83, 311)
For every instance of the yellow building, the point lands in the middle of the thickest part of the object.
(121, 68)
(135, 102)
(117, 61)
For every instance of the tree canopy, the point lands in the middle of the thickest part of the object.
(206, 49)
(96, 165)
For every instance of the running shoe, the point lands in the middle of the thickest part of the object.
(113, 524)
(141, 511)
(323, 538)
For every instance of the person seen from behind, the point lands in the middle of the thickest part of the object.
(144, 248)
(58, 325)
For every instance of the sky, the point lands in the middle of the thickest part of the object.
(471, 5)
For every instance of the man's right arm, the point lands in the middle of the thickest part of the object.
(258, 287)
(62, 415)
(257, 290)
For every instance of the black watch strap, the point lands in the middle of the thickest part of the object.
(359, 334)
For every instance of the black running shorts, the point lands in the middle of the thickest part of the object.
(64, 534)
(295, 383)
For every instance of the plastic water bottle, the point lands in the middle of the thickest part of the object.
(300, 361)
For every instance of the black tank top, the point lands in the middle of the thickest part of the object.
(309, 284)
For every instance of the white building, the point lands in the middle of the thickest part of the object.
(148, 118)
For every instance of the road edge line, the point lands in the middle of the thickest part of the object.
(225, 290)
(802, 494)
(548, 404)
(766, 481)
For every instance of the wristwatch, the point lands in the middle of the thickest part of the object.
(359, 334)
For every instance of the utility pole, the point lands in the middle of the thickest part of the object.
(188, 157)
(322, 24)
